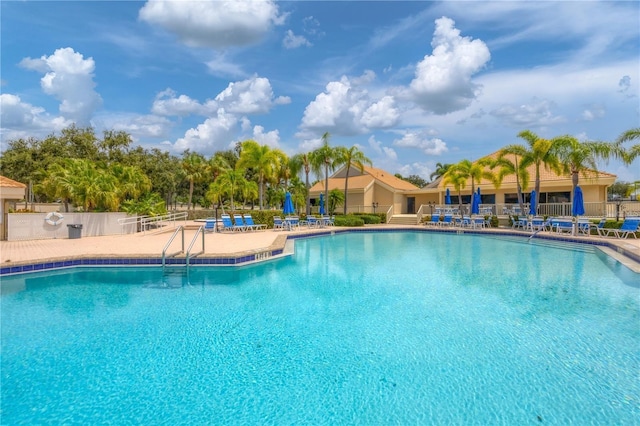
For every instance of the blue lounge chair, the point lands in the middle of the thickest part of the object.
(446, 221)
(210, 225)
(248, 221)
(239, 221)
(328, 220)
(630, 226)
(278, 223)
(227, 224)
(435, 220)
(562, 225)
(312, 222)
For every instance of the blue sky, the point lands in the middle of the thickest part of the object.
(411, 83)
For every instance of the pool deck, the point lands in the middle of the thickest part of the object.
(238, 245)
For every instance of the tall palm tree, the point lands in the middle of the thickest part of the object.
(218, 164)
(194, 169)
(538, 152)
(577, 157)
(457, 176)
(349, 157)
(322, 161)
(262, 160)
(440, 170)
(304, 161)
(230, 183)
(508, 167)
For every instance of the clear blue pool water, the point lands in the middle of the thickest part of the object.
(364, 328)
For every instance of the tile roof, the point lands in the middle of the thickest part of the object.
(10, 183)
(370, 175)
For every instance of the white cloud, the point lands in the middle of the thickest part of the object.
(536, 113)
(386, 158)
(138, 126)
(216, 24)
(271, 138)
(442, 82)
(215, 134)
(166, 103)
(21, 119)
(593, 112)
(68, 78)
(292, 41)
(421, 141)
(347, 109)
(252, 96)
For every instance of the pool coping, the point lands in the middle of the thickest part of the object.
(281, 247)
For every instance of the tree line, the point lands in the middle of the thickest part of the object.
(108, 173)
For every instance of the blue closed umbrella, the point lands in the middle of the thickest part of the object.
(577, 208)
(532, 203)
(322, 211)
(288, 204)
(447, 197)
(475, 203)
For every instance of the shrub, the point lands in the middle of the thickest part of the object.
(493, 221)
(348, 220)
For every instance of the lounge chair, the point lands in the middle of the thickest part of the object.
(227, 224)
(278, 223)
(435, 220)
(630, 226)
(248, 221)
(239, 221)
(561, 225)
(478, 222)
(536, 224)
(210, 225)
(599, 228)
(312, 222)
(328, 220)
(446, 221)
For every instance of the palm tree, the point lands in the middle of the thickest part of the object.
(457, 176)
(349, 157)
(217, 165)
(304, 161)
(440, 170)
(577, 157)
(508, 167)
(194, 169)
(538, 152)
(229, 183)
(322, 160)
(634, 150)
(262, 160)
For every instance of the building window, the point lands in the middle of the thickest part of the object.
(558, 197)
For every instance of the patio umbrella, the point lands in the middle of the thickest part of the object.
(322, 211)
(577, 207)
(475, 203)
(532, 203)
(447, 197)
(288, 204)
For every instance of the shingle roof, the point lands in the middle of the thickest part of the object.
(10, 183)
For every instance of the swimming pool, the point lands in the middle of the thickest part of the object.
(363, 328)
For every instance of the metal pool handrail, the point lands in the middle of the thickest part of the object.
(173, 236)
(200, 231)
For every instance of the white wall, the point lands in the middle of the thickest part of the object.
(32, 226)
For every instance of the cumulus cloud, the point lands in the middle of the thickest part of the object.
(271, 138)
(345, 108)
(215, 24)
(215, 134)
(138, 126)
(167, 103)
(68, 77)
(292, 41)
(20, 119)
(252, 96)
(386, 158)
(421, 140)
(537, 113)
(442, 82)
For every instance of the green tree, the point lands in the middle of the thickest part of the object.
(634, 151)
(413, 179)
(509, 167)
(262, 160)
(322, 162)
(349, 157)
(195, 170)
(457, 175)
(440, 170)
(230, 183)
(303, 161)
(538, 152)
(336, 198)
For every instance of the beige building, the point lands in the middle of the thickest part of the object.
(397, 196)
(10, 193)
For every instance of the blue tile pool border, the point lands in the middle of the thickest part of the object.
(276, 253)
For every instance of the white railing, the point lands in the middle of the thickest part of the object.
(149, 222)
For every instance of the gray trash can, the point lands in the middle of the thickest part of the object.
(75, 230)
